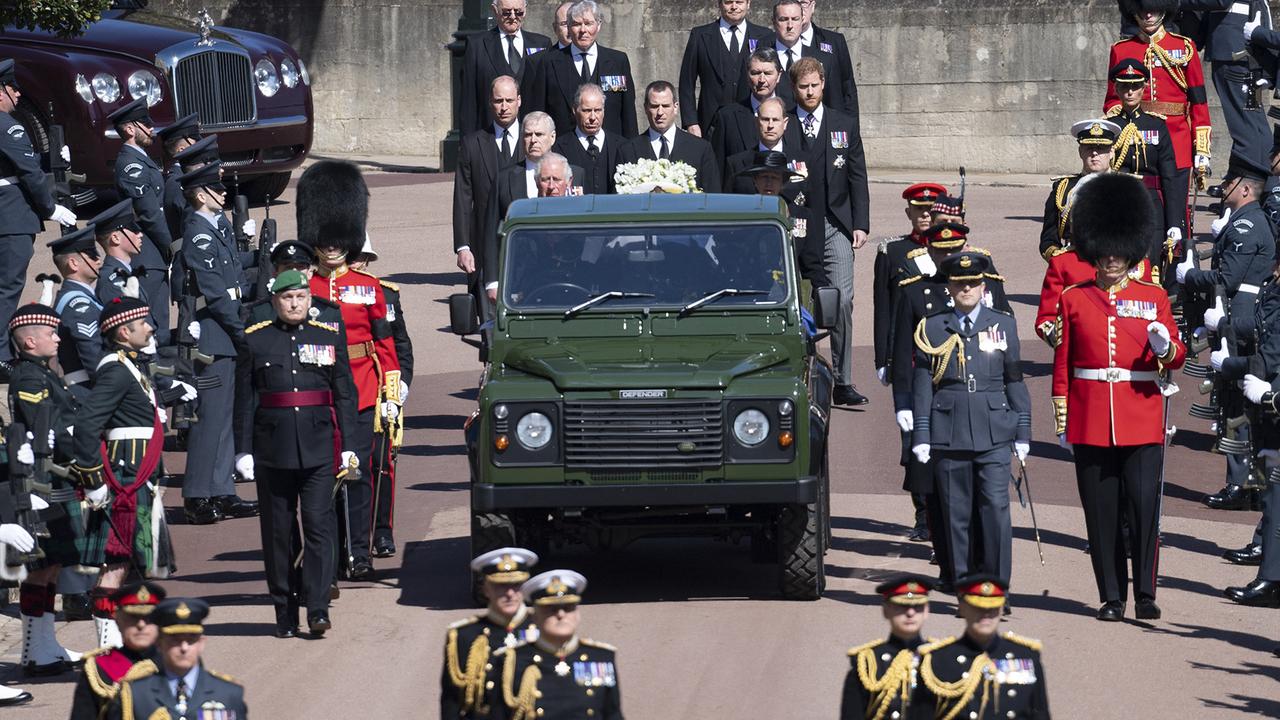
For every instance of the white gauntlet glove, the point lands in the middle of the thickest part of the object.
(17, 537)
(1219, 356)
(1022, 450)
(1254, 388)
(244, 465)
(1158, 338)
(63, 216)
(905, 420)
(921, 452)
(98, 497)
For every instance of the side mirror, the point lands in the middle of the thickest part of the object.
(826, 307)
(462, 314)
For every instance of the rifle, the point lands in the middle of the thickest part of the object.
(239, 215)
(184, 368)
(60, 175)
(266, 243)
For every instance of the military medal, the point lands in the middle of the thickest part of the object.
(839, 139)
(510, 640)
(562, 668)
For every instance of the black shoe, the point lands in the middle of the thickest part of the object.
(848, 395)
(318, 622)
(920, 533)
(233, 507)
(944, 587)
(286, 622)
(201, 511)
(384, 547)
(1146, 609)
(1007, 609)
(1111, 611)
(20, 698)
(77, 606)
(1259, 593)
(334, 592)
(57, 667)
(360, 569)
(1250, 554)
(933, 558)
(1233, 497)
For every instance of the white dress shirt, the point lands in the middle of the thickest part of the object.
(502, 37)
(802, 114)
(582, 138)
(657, 144)
(513, 136)
(797, 52)
(591, 53)
(530, 178)
(727, 38)
(806, 36)
(764, 148)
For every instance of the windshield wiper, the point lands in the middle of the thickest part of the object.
(592, 302)
(712, 297)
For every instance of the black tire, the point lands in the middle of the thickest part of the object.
(489, 531)
(802, 575)
(824, 490)
(34, 124)
(265, 188)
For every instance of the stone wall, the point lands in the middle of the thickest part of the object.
(989, 84)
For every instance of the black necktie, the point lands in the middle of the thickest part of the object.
(968, 325)
(506, 144)
(513, 55)
(790, 57)
(664, 151)
(585, 72)
(735, 49)
(592, 150)
(181, 704)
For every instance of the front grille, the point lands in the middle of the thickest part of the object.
(659, 434)
(218, 85)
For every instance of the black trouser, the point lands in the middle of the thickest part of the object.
(384, 489)
(359, 492)
(1270, 533)
(1249, 131)
(281, 493)
(1117, 483)
(15, 256)
(973, 494)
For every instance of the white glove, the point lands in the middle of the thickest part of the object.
(1213, 316)
(1062, 441)
(1174, 235)
(26, 456)
(1255, 388)
(882, 374)
(193, 329)
(1022, 450)
(905, 420)
(150, 349)
(1217, 226)
(1217, 357)
(17, 536)
(404, 393)
(1181, 269)
(98, 497)
(921, 452)
(1158, 337)
(1201, 162)
(188, 392)
(390, 410)
(250, 227)
(63, 216)
(38, 503)
(65, 153)
(244, 465)
(349, 459)
(164, 415)
(1251, 25)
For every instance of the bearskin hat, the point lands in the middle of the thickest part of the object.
(1130, 8)
(1112, 214)
(333, 206)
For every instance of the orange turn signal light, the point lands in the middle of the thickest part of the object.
(785, 439)
(502, 442)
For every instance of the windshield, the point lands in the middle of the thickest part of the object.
(558, 268)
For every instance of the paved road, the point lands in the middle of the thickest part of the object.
(701, 631)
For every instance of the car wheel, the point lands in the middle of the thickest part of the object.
(266, 188)
(802, 575)
(37, 130)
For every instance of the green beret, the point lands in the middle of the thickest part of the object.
(288, 280)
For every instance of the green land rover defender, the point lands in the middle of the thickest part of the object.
(650, 372)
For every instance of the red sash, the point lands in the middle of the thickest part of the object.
(124, 506)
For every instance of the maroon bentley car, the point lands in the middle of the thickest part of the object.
(251, 89)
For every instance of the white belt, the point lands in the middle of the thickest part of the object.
(11, 180)
(1247, 288)
(77, 377)
(130, 433)
(1115, 375)
(1239, 8)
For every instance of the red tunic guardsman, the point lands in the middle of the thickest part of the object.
(108, 666)
(1176, 88)
(1115, 341)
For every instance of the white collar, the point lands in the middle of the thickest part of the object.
(801, 113)
(724, 26)
(670, 134)
(582, 137)
(776, 148)
(782, 49)
(211, 217)
(589, 52)
(514, 130)
(530, 165)
(806, 36)
(518, 33)
(755, 104)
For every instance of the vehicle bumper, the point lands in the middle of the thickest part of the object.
(487, 497)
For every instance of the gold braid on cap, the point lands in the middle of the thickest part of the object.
(895, 682)
(523, 706)
(941, 354)
(470, 682)
(954, 697)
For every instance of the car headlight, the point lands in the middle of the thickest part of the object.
(144, 84)
(534, 431)
(268, 81)
(106, 87)
(288, 73)
(84, 88)
(302, 71)
(751, 427)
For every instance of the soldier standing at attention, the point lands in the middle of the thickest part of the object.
(1115, 340)
(1096, 139)
(471, 643)
(971, 408)
(77, 258)
(25, 201)
(981, 675)
(107, 667)
(884, 671)
(557, 676)
(182, 134)
(140, 179)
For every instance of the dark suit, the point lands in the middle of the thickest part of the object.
(475, 186)
(558, 79)
(718, 73)
(739, 184)
(824, 38)
(842, 184)
(484, 60)
(688, 149)
(597, 173)
(833, 82)
(511, 187)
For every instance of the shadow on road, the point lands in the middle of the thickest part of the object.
(433, 450)
(1247, 705)
(1231, 637)
(447, 279)
(435, 422)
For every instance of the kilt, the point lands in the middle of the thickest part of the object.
(150, 550)
(66, 539)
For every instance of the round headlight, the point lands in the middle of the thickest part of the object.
(500, 412)
(106, 87)
(751, 427)
(265, 74)
(785, 407)
(84, 88)
(288, 73)
(534, 431)
(302, 71)
(144, 84)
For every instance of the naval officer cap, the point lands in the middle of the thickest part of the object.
(1097, 131)
(555, 587)
(508, 565)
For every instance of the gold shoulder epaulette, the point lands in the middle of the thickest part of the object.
(141, 669)
(907, 281)
(223, 677)
(320, 325)
(597, 644)
(864, 646)
(100, 687)
(465, 622)
(257, 326)
(1024, 641)
(389, 284)
(1114, 111)
(1148, 283)
(917, 252)
(936, 644)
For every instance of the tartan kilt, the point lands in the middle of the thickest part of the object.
(66, 539)
(98, 531)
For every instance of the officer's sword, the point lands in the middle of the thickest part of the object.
(1023, 480)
